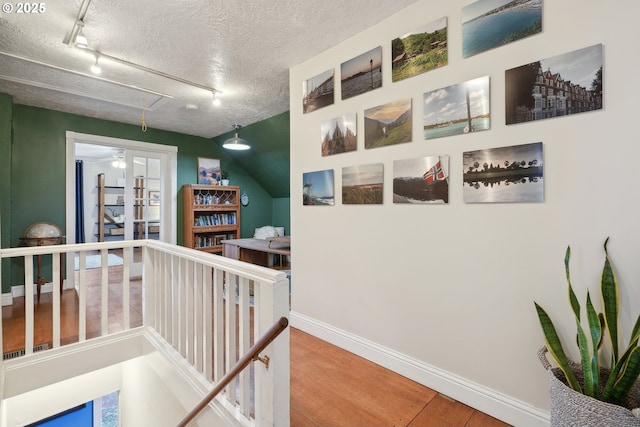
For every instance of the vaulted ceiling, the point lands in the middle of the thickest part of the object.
(165, 58)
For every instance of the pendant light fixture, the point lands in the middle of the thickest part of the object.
(236, 143)
(119, 162)
(95, 68)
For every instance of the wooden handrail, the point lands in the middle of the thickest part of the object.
(250, 356)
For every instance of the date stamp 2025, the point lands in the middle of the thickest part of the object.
(22, 8)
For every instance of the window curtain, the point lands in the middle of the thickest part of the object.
(79, 202)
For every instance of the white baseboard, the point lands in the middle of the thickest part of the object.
(505, 408)
(18, 291)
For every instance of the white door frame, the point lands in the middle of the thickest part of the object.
(169, 183)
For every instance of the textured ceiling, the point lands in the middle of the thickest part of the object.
(241, 48)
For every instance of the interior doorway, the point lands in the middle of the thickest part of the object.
(130, 192)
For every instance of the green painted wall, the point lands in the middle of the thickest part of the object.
(282, 213)
(269, 158)
(268, 165)
(6, 113)
(32, 145)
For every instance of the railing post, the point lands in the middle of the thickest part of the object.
(272, 383)
(150, 283)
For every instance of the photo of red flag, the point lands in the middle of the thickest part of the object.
(434, 174)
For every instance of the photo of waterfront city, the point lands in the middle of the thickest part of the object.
(317, 92)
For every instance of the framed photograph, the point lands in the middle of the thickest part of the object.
(362, 185)
(504, 175)
(362, 73)
(555, 87)
(419, 51)
(487, 24)
(154, 198)
(421, 180)
(317, 188)
(338, 135)
(208, 171)
(317, 92)
(388, 124)
(457, 109)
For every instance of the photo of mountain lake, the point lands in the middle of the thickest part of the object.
(362, 185)
(317, 188)
(457, 109)
(504, 175)
(419, 51)
(388, 124)
(487, 24)
(422, 180)
(362, 73)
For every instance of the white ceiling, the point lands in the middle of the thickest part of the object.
(242, 48)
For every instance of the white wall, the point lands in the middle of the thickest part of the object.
(444, 294)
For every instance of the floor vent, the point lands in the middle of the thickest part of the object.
(17, 353)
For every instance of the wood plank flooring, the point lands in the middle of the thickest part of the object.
(332, 387)
(329, 386)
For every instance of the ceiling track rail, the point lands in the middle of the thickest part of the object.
(147, 69)
(79, 23)
(77, 73)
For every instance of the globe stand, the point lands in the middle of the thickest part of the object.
(44, 234)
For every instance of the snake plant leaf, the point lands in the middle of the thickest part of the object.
(614, 375)
(627, 376)
(552, 341)
(590, 382)
(602, 326)
(610, 301)
(635, 334)
(592, 365)
(573, 300)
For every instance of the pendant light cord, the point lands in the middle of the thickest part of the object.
(143, 123)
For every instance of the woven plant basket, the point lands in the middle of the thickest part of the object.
(572, 409)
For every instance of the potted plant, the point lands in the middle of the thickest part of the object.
(224, 177)
(603, 388)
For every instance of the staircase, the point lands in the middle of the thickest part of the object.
(200, 314)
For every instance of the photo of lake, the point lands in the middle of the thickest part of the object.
(457, 109)
(487, 24)
(504, 175)
(362, 73)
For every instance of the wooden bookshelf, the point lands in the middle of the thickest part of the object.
(211, 215)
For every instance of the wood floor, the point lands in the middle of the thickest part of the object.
(329, 386)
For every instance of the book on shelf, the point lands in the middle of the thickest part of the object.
(207, 240)
(215, 219)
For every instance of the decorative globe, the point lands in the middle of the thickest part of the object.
(42, 234)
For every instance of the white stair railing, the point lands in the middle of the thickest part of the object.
(208, 308)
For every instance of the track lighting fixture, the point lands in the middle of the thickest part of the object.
(236, 143)
(80, 40)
